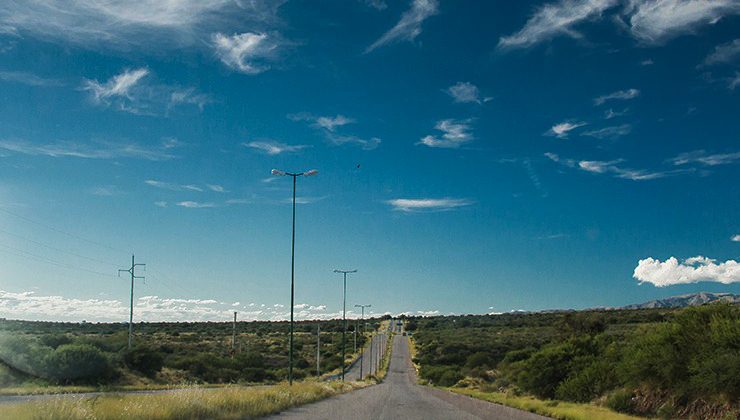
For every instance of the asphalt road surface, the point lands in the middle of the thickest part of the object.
(399, 397)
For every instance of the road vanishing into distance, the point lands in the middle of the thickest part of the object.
(400, 397)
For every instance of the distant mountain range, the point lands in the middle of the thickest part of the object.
(682, 301)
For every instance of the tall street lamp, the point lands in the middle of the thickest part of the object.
(277, 172)
(344, 313)
(362, 317)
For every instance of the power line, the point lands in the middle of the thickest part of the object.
(72, 235)
(41, 258)
(58, 249)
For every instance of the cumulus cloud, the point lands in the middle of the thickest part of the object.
(612, 132)
(704, 158)
(273, 147)
(409, 27)
(657, 21)
(129, 92)
(428, 204)
(618, 95)
(97, 151)
(454, 134)
(556, 19)
(31, 306)
(562, 129)
(465, 92)
(692, 270)
(247, 52)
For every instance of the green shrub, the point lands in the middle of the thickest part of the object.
(77, 362)
(144, 359)
(621, 401)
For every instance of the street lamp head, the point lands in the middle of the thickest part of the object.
(312, 172)
(345, 271)
(277, 172)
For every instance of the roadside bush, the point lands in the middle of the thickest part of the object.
(78, 362)
(449, 378)
(144, 359)
(621, 401)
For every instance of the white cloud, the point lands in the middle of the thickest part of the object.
(196, 205)
(428, 204)
(273, 147)
(610, 132)
(246, 52)
(161, 204)
(702, 157)
(69, 149)
(555, 19)
(618, 95)
(328, 126)
(692, 270)
(454, 134)
(614, 168)
(216, 188)
(562, 129)
(129, 92)
(465, 92)
(31, 306)
(28, 79)
(172, 187)
(735, 238)
(142, 24)
(724, 53)
(610, 113)
(734, 81)
(376, 4)
(409, 27)
(657, 21)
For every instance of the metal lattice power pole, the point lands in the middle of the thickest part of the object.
(132, 271)
(344, 315)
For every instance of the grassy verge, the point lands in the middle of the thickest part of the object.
(555, 409)
(76, 389)
(192, 403)
(383, 371)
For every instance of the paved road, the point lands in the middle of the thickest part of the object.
(368, 362)
(399, 397)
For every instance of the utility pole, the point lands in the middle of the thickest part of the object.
(371, 354)
(277, 172)
(233, 335)
(362, 318)
(132, 271)
(344, 315)
(318, 350)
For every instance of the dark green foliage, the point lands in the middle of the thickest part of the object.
(144, 359)
(621, 401)
(70, 363)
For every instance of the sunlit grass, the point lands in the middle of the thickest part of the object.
(193, 403)
(555, 409)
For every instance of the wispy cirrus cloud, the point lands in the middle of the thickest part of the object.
(466, 92)
(172, 187)
(610, 113)
(274, 148)
(615, 168)
(128, 91)
(145, 24)
(328, 126)
(622, 95)
(247, 52)
(410, 205)
(196, 204)
(692, 270)
(612, 132)
(562, 129)
(87, 151)
(409, 27)
(556, 19)
(29, 79)
(724, 53)
(704, 158)
(735, 238)
(657, 21)
(454, 134)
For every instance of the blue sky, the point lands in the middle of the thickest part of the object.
(484, 157)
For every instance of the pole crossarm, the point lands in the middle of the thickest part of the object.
(132, 271)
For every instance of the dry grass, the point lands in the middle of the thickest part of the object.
(193, 403)
(555, 409)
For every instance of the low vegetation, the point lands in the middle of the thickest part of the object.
(231, 402)
(666, 363)
(37, 355)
